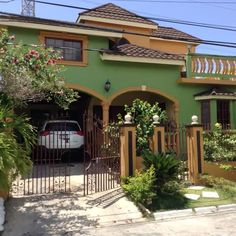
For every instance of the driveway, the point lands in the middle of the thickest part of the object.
(68, 214)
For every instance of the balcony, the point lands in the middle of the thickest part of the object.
(210, 69)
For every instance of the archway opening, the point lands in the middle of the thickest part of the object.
(117, 105)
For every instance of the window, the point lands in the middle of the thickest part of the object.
(70, 50)
(223, 113)
(71, 47)
(205, 114)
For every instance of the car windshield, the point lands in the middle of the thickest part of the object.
(58, 126)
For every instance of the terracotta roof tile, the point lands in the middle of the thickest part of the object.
(171, 33)
(132, 50)
(111, 11)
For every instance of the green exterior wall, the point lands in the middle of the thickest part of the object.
(126, 74)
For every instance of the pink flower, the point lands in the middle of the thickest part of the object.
(51, 62)
(15, 60)
(12, 37)
(33, 53)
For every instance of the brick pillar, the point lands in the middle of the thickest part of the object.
(158, 140)
(195, 151)
(128, 149)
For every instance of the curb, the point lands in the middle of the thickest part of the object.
(198, 211)
(146, 213)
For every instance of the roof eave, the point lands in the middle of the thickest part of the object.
(109, 57)
(210, 97)
(56, 28)
(175, 40)
(117, 22)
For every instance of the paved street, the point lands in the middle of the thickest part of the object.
(219, 224)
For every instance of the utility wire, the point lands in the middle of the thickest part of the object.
(198, 41)
(7, 1)
(192, 23)
(87, 49)
(179, 2)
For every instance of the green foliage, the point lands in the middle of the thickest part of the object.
(219, 146)
(165, 165)
(141, 187)
(112, 140)
(227, 167)
(171, 187)
(167, 201)
(142, 113)
(219, 183)
(14, 155)
(31, 73)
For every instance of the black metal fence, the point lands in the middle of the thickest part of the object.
(51, 167)
(102, 159)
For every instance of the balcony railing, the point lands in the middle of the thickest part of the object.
(206, 68)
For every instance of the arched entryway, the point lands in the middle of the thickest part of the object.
(126, 97)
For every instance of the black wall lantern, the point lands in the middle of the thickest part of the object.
(107, 86)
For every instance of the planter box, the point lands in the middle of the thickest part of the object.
(215, 170)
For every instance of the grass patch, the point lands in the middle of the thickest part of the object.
(224, 198)
(162, 201)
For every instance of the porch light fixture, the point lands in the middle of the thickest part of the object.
(107, 86)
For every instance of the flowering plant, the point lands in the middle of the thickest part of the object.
(31, 73)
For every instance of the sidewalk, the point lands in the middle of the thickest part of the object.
(61, 214)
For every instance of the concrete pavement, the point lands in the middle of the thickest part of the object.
(109, 213)
(66, 214)
(215, 224)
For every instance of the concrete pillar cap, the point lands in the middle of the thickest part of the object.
(194, 120)
(128, 118)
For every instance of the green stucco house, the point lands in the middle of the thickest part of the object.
(113, 56)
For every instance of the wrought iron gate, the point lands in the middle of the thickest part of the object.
(101, 156)
(176, 142)
(50, 165)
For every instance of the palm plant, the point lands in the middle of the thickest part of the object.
(166, 167)
(14, 153)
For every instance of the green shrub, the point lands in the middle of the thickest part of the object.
(219, 146)
(171, 187)
(141, 187)
(165, 165)
(14, 156)
(142, 113)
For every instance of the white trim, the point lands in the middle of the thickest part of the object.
(66, 29)
(108, 57)
(173, 40)
(208, 97)
(118, 22)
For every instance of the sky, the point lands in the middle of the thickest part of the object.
(211, 13)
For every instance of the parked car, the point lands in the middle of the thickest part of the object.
(61, 134)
